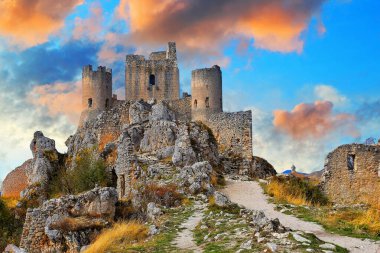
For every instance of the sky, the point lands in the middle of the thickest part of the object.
(308, 69)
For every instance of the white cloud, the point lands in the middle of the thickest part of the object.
(329, 93)
(19, 120)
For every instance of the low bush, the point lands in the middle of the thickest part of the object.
(10, 227)
(166, 195)
(88, 172)
(296, 191)
(69, 224)
(120, 233)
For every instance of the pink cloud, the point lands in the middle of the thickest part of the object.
(314, 120)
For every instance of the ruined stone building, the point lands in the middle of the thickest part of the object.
(352, 174)
(156, 80)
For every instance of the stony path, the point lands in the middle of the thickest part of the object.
(250, 195)
(185, 240)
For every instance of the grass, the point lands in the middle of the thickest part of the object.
(119, 234)
(80, 223)
(311, 205)
(163, 242)
(295, 191)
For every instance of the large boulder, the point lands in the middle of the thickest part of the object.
(196, 178)
(160, 111)
(139, 112)
(261, 168)
(68, 223)
(45, 159)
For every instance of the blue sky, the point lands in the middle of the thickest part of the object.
(278, 59)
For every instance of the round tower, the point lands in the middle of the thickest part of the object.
(96, 88)
(206, 90)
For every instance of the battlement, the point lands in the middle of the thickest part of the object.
(101, 69)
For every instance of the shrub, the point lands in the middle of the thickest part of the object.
(88, 172)
(10, 227)
(79, 223)
(296, 191)
(166, 195)
(120, 233)
(125, 210)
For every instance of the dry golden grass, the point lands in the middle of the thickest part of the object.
(296, 191)
(105, 139)
(120, 233)
(80, 223)
(11, 202)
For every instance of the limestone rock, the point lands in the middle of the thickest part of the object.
(261, 168)
(139, 112)
(183, 152)
(68, 222)
(221, 199)
(13, 249)
(196, 177)
(153, 211)
(160, 111)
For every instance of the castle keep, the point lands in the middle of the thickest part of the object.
(156, 79)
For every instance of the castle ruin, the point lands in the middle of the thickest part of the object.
(352, 174)
(157, 79)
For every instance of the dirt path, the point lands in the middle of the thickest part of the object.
(250, 195)
(185, 239)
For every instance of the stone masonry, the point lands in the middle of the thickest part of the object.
(153, 78)
(352, 174)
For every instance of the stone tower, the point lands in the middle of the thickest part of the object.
(206, 89)
(155, 78)
(97, 88)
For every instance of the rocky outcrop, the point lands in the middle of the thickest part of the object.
(261, 168)
(16, 181)
(45, 159)
(68, 223)
(197, 178)
(252, 168)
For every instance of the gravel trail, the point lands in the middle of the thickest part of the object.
(250, 195)
(185, 240)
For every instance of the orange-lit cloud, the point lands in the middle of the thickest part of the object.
(313, 120)
(275, 25)
(59, 99)
(30, 22)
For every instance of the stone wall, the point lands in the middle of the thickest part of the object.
(352, 174)
(156, 77)
(68, 223)
(182, 108)
(233, 132)
(206, 89)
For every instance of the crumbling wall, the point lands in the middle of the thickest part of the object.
(181, 108)
(351, 174)
(233, 132)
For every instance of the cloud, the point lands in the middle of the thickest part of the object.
(282, 150)
(314, 120)
(27, 23)
(45, 63)
(90, 28)
(329, 93)
(203, 27)
(19, 120)
(59, 99)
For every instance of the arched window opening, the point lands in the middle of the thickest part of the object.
(152, 80)
(107, 103)
(351, 162)
(89, 102)
(195, 103)
(207, 102)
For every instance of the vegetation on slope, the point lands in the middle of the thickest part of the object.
(10, 227)
(303, 199)
(88, 172)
